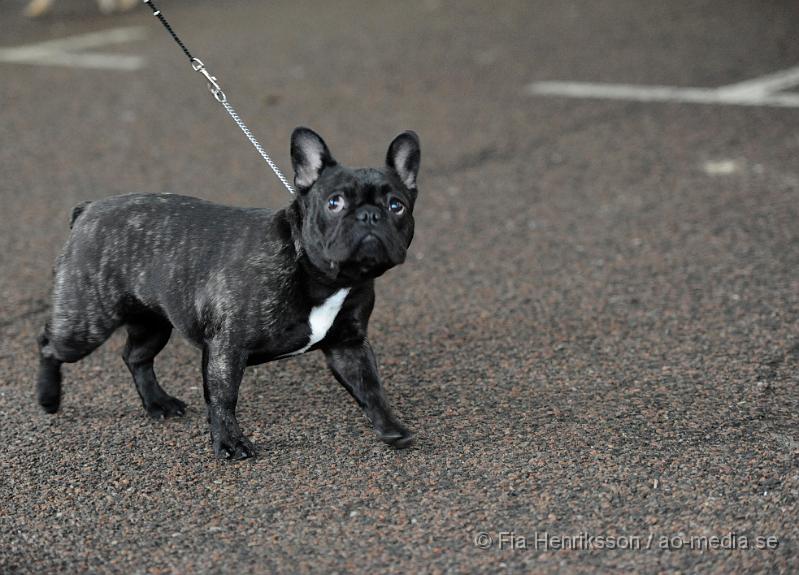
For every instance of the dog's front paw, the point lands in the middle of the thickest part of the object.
(234, 449)
(165, 407)
(396, 436)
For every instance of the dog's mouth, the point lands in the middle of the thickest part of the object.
(370, 248)
(369, 259)
(371, 254)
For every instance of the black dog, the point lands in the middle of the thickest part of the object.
(247, 286)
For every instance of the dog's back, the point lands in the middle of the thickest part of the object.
(142, 254)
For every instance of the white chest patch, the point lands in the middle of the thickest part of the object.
(322, 317)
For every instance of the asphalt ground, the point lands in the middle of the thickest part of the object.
(595, 334)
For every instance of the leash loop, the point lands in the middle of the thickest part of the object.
(219, 95)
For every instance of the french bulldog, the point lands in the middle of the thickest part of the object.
(245, 285)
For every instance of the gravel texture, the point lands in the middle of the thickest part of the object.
(593, 334)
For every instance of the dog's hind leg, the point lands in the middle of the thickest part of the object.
(145, 340)
(48, 381)
(55, 349)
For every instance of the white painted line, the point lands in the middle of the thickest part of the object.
(623, 92)
(84, 41)
(764, 85)
(92, 61)
(62, 52)
(720, 167)
(778, 100)
(756, 92)
(659, 94)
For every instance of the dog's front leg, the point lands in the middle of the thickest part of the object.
(354, 366)
(223, 369)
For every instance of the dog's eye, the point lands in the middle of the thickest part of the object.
(336, 203)
(396, 206)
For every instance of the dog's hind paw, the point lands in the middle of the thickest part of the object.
(166, 407)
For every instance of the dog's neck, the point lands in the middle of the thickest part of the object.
(319, 283)
(293, 215)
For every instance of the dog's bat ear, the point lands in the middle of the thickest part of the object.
(309, 156)
(404, 156)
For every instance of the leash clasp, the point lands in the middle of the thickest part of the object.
(198, 66)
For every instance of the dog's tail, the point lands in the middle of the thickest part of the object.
(77, 211)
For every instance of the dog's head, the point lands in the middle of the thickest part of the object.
(356, 223)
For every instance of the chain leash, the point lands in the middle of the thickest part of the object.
(220, 96)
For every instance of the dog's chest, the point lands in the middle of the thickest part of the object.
(321, 319)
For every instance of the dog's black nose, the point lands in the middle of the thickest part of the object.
(369, 214)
